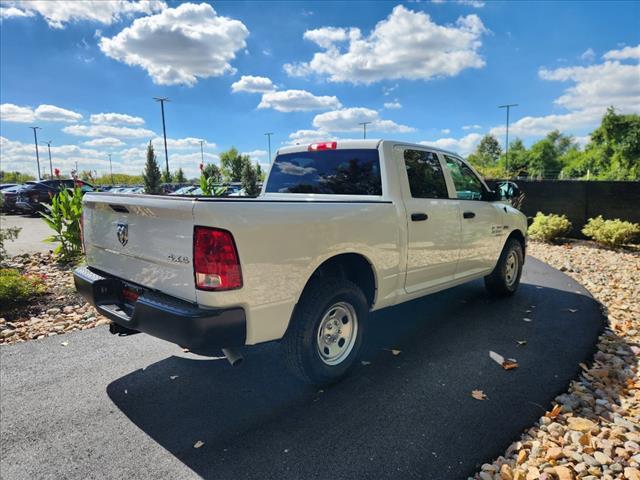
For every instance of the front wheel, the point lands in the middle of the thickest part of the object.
(325, 335)
(505, 278)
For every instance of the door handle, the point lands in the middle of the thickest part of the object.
(469, 214)
(419, 217)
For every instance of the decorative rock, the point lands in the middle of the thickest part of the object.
(580, 424)
(601, 458)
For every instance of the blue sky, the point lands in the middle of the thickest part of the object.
(430, 71)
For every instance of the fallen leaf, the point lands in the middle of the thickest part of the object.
(528, 311)
(521, 342)
(555, 411)
(64, 344)
(396, 352)
(496, 357)
(286, 450)
(526, 319)
(365, 363)
(478, 395)
(173, 377)
(198, 444)
(572, 310)
(509, 364)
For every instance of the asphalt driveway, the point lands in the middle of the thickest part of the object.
(134, 407)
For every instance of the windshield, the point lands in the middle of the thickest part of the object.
(341, 172)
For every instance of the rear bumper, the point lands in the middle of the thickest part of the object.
(201, 330)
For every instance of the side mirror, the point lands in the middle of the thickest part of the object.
(508, 190)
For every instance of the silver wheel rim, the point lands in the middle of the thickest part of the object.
(337, 333)
(511, 269)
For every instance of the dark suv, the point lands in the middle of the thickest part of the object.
(34, 194)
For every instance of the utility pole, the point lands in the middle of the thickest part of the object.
(50, 164)
(164, 129)
(202, 152)
(506, 161)
(364, 127)
(35, 138)
(268, 134)
(110, 168)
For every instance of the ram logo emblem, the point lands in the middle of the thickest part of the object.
(123, 233)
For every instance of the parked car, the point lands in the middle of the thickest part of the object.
(184, 190)
(35, 194)
(4, 186)
(9, 197)
(341, 229)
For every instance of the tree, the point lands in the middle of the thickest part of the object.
(617, 141)
(180, 178)
(166, 177)
(151, 175)
(212, 171)
(250, 180)
(233, 164)
(487, 153)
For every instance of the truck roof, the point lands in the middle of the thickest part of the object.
(351, 144)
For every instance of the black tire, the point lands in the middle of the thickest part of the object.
(301, 344)
(504, 281)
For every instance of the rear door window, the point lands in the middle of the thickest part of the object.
(339, 172)
(426, 178)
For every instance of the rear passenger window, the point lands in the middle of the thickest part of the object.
(426, 179)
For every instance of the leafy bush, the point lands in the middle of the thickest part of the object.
(7, 234)
(613, 233)
(548, 228)
(16, 288)
(64, 216)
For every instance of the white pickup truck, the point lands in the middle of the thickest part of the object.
(340, 229)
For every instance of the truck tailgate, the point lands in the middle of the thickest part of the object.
(145, 239)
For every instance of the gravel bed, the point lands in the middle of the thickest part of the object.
(58, 311)
(593, 430)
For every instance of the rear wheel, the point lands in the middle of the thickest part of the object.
(325, 335)
(505, 278)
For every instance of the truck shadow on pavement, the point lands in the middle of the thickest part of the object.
(406, 415)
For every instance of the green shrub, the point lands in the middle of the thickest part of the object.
(613, 233)
(7, 234)
(16, 288)
(64, 217)
(547, 228)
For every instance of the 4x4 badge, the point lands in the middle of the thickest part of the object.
(123, 233)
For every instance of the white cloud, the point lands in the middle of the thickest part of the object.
(462, 146)
(9, 12)
(392, 105)
(407, 44)
(609, 83)
(252, 84)
(45, 113)
(303, 137)
(297, 101)
(107, 131)
(588, 55)
(181, 143)
(471, 127)
(623, 54)
(116, 119)
(471, 3)
(348, 119)
(445, 131)
(256, 155)
(57, 13)
(104, 142)
(527, 127)
(179, 45)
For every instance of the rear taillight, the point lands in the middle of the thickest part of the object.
(215, 260)
(323, 146)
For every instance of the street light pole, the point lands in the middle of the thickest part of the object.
(364, 127)
(110, 168)
(268, 134)
(50, 164)
(202, 151)
(35, 138)
(164, 129)
(506, 161)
